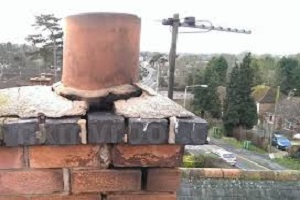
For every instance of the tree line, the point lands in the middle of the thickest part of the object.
(44, 49)
(238, 108)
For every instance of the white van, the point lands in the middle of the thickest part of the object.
(227, 156)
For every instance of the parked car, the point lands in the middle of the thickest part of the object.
(227, 156)
(296, 136)
(280, 142)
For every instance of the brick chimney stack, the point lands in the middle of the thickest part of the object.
(58, 148)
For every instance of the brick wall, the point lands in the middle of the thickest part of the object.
(221, 184)
(101, 156)
(82, 172)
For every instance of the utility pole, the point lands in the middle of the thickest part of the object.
(172, 55)
(54, 60)
(158, 77)
(273, 128)
(189, 22)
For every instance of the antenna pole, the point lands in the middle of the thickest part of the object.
(172, 55)
(189, 22)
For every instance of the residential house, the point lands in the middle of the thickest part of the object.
(265, 98)
(288, 111)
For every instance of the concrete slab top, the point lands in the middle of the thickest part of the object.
(29, 101)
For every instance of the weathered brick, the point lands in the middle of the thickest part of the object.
(105, 127)
(191, 131)
(163, 179)
(11, 158)
(287, 175)
(251, 175)
(212, 173)
(20, 132)
(232, 173)
(142, 197)
(84, 181)
(147, 155)
(147, 131)
(31, 182)
(67, 156)
(268, 175)
(72, 197)
(13, 198)
(202, 173)
(29, 132)
(61, 132)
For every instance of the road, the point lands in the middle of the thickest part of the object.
(262, 160)
(242, 162)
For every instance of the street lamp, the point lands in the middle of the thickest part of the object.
(191, 86)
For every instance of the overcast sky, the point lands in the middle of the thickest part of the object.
(274, 23)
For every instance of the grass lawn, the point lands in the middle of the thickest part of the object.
(295, 142)
(291, 163)
(240, 145)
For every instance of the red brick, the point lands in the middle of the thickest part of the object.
(232, 173)
(73, 197)
(202, 173)
(142, 197)
(13, 198)
(288, 175)
(65, 156)
(211, 173)
(105, 180)
(147, 155)
(31, 182)
(11, 158)
(163, 180)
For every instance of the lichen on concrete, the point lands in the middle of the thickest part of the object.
(29, 101)
(3, 100)
(150, 105)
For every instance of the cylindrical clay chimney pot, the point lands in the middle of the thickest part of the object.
(101, 50)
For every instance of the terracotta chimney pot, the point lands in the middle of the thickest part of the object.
(101, 50)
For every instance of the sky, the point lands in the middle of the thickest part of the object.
(274, 23)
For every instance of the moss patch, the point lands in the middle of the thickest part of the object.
(3, 100)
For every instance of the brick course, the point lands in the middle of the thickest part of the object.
(83, 181)
(13, 198)
(105, 127)
(72, 197)
(31, 182)
(142, 197)
(147, 131)
(65, 156)
(147, 155)
(11, 158)
(163, 179)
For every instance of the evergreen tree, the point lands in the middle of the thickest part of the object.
(296, 80)
(207, 99)
(220, 66)
(257, 72)
(286, 74)
(231, 117)
(240, 108)
(49, 39)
